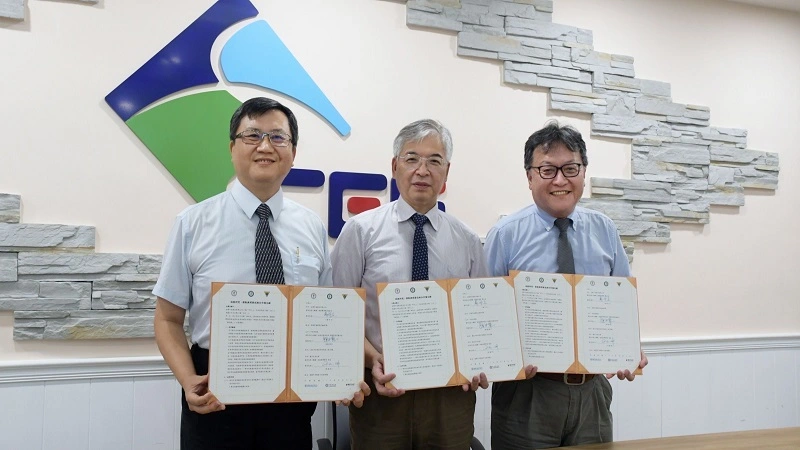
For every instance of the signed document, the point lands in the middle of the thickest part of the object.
(444, 332)
(285, 343)
(417, 335)
(578, 323)
(486, 328)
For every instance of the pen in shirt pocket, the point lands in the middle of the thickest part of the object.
(297, 253)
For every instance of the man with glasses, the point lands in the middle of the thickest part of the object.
(406, 240)
(553, 409)
(249, 234)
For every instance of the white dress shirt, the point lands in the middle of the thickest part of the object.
(214, 240)
(376, 246)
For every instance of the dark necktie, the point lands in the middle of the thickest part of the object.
(419, 260)
(269, 266)
(564, 258)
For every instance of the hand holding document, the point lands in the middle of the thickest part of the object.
(285, 343)
(445, 332)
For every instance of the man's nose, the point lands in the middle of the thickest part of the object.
(559, 178)
(264, 145)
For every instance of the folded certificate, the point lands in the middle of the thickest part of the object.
(285, 343)
(442, 333)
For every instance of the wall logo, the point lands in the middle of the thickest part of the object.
(186, 133)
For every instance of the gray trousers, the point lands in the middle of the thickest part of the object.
(541, 413)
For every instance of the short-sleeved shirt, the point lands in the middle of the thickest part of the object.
(214, 240)
(528, 240)
(377, 246)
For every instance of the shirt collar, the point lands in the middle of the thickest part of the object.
(405, 211)
(549, 221)
(250, 203)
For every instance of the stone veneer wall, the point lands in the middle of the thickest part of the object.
(59, 288)
(15, 9)
(681, 164)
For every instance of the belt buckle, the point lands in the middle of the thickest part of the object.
(566, 379)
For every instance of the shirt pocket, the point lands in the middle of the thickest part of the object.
(306, 270)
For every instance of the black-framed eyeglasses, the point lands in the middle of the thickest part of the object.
(254, 137)
(569, 170)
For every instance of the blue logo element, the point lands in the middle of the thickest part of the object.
(189, 133)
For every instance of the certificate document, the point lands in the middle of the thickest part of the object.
(544, 305)
(486, 328)
(327, 343)
(417, 337)
(608, 318)
(444, 332)
(581, 324)
(285, 343)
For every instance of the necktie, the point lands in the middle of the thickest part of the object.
(269, 266)
(419, 259)
(564, 258)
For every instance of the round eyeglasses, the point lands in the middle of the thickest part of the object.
(255, 137)
(569, 170)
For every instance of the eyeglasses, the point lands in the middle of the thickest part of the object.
(254, 137)
(414, 161)
(569, 170)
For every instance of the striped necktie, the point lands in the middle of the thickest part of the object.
(269, 265)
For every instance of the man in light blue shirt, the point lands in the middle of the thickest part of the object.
(553, 410)
(214, 240)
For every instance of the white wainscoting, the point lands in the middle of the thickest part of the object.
(691, 386)
(701, 385)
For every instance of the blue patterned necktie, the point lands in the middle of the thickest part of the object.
(269, 265)
(564, 257)
(419, 259)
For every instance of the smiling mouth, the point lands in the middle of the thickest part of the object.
(264, 161)
(559, 193)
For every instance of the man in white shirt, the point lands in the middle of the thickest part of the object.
(377, 246)
(215, 241)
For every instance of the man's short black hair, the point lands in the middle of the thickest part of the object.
(257, 107)
(555, 133)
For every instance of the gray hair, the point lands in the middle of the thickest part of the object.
(419, 130)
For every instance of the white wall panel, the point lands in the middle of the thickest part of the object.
(66, 415)
(155, 405)
(693, 387)
(111, 414)
(787, 382)
(765, 391)
(637, 405)
(21, 407)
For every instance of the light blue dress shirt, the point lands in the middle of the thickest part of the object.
(214, 240)
(528, 240)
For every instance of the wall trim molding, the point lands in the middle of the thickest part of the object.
(82, 369)
(38, 371)
(660, 346)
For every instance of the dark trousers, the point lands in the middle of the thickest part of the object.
(426, 419)
(245, 427)
(542, 413)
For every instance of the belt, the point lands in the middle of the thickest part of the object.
(567, 378)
